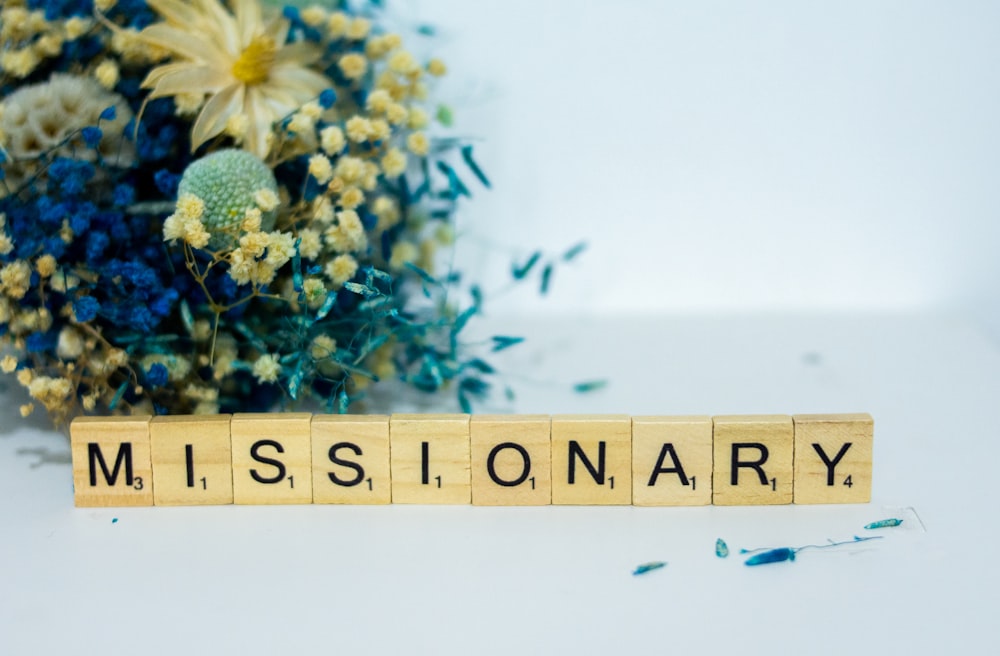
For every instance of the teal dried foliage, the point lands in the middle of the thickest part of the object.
(767, 556)
(884, 523)
(645, 568)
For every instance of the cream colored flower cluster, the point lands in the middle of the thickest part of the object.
(27, 38)
(46, 119)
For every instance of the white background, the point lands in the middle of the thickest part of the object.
(731, 158)
(553, 580)
(719, 156)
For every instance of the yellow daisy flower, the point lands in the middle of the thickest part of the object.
(240, 63)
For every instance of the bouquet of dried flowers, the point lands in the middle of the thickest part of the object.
(214, 208)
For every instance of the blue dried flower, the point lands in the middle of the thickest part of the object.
(85, 308)
(92, 135)
(327, 98)
(157, 375)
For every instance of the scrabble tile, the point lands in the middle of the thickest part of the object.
(192, 460)
(591, 460)
(511, 460)
(350, 456)
(430, 460)
(671, 461)
(753, 460)
(833, 458)
(111, 465)
(272, 458)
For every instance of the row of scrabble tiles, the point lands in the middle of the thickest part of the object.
(291, 458)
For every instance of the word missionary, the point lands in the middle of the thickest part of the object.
(289, 458)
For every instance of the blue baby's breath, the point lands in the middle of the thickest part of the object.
(92, 136)
(153, 277)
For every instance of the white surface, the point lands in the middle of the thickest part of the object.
(457, 580)
(724, 155)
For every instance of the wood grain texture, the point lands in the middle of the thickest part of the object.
(833, 458)
(111, 463)
(351, 459)
(192, 460)
(762, 446)
(272, 458)
(581, 475)
(430, 459)
(671, 461)
(511, 460)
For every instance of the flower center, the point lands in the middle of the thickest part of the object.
(254, 64)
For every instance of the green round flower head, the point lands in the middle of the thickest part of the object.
(227, 181)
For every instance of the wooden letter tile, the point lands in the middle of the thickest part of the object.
(430, 459)
(111, 465)
(350, 456)
(192, 460)
(833, 458)
(511, 460)
(591, 460)
(272, 458)
(671, 461)
(753, 460)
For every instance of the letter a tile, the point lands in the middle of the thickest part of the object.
(111, 465)
(671, 461)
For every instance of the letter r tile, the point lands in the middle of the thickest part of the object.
(753, 460)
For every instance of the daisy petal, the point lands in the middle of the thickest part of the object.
(261, 123)
(193, 79)
(277, 29)
(223, 22)
(183, 43)
(296, 78)
(154, 75)
(215, 113)
(281, 102)
(176, 12)
(248, 19)
(301, 53)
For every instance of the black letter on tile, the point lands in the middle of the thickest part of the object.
(491, 469)
(346, 463)
(277, 478)
(576, 450)
(124, 456)
(425, 466)
(830, 464)
(676, 469)
(189, 463)
(757, 464)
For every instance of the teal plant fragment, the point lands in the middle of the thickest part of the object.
(648, 567)
(884, 523)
